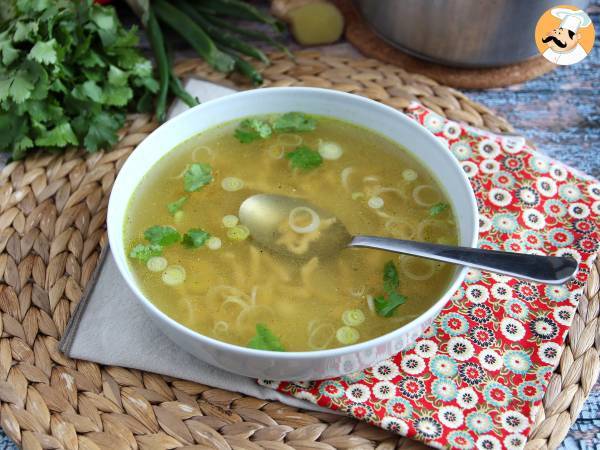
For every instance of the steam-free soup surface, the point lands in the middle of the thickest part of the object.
(197, 264)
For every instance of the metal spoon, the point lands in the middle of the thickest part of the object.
(264, 213)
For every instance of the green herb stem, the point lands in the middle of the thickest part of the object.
(155, 37)
(219, 35)
(194, 35)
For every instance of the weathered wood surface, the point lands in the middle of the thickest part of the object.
(560, 114)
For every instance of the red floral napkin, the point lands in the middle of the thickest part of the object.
(477, 376)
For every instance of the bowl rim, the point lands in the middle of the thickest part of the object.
(115, 230)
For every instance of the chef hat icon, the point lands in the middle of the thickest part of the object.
(571, 20)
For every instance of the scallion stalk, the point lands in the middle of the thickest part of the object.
(194, 35)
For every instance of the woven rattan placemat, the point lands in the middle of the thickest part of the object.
(52, 230)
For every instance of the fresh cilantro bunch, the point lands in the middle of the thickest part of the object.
(68, 71)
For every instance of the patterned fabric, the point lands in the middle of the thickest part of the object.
(477, 376)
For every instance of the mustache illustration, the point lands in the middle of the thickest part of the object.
(556, 41)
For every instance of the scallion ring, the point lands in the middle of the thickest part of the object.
(231, 184)
(347, 335)
(353, 317)
(297, 214)
(173, 275)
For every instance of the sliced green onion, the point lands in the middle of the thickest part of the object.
(303, 212)
(238, 233)
(231, 184)
(213, 243)
(173, 275)
(375, 202)
(156, 264)
(353, 317)
(178, 216)
(409, 175)
(347, 335)
(230, 221)
(221, 327)
(330, 150)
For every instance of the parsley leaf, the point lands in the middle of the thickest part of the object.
(438, 208)
(162, 235)
(252, 129)
(385, 305)
(197, 176)
(265, 340)
(144, 252)
(294, 122)
(195, 238)
(175, 206)
(304, 158)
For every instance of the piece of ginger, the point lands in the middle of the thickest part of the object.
(312, 22)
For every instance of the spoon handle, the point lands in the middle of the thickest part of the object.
(543, 269)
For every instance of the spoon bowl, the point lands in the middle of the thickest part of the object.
(267, 216)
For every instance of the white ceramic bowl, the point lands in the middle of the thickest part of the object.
(351, 108)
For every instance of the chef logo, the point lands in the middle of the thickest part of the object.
(564, 35)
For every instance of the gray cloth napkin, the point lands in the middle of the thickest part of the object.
(110, 327)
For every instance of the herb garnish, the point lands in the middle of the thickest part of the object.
(143, 252)
(251, 129)
(162, 235)
(294, 122)
(304, 158)
(385, 305)
(265, 340)
(438, 208)
(197, 176)
(195, 238)
(175, 206)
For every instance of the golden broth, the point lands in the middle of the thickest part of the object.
(229, 290)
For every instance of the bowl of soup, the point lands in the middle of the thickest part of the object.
(176, 235)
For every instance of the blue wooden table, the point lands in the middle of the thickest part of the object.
(560, 113)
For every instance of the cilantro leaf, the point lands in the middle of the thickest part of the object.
(162, 235)
(21, 87)
(81, 66)
(265, 340)
(385, 307)
(117, 95)
(143, 252)
(24, 31)
(59, 136)
(252, 129)
(304, 158)
(175, 206)
(102, 130)
(390, 277)
(195, 238)
(43, 52)
(197, 176)
(9, 53)
(294, 122)
(116, 76)
(88, 90)
(438, 208)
